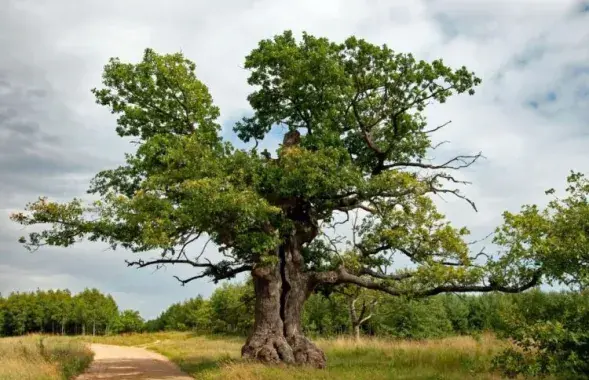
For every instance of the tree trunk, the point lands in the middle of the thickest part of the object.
(281, 291)
(354, 320)
(356, 332)
(267, 343)
(297, 288)
(357, 320)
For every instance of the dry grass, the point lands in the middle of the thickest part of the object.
(375, 359)
(144, 339)
(42, 358)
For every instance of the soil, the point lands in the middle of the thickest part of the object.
(130, 363)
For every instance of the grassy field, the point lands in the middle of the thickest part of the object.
(218, 358)
(35, 357)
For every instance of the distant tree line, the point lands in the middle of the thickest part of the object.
(61, 312)
(229, 311)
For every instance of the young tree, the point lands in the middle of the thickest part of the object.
(357, 139)
(360, 303)
(555, 239)
(127, 321)
(231, 308)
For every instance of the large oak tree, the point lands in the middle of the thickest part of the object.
(356, 139)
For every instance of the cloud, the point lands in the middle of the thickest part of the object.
(528, 118)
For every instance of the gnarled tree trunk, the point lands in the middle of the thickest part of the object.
(281, 291)
(267, 342)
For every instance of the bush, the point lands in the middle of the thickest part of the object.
(413, 319)
(547, 349)
(71, 357)
(557, 346)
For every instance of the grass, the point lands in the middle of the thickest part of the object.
(212, 358)
(215, 358)
(36, 357)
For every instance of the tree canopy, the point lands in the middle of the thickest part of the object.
(555, 240)
(356, 139)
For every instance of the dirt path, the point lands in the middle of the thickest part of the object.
(130, 363)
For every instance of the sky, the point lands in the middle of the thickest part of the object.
(529, 117)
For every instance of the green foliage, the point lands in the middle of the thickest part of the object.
(550, 333)
(359, 113)
(228, 311)
(413, 319)
(555, 239)
(71, 357)
(159, 95)
(326, 316)
(128, 321)
(232, 309)
(457, 312)
(60, 312)
(547, 348)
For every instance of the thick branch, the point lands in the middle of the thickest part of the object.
(341, 276)
(383, 276)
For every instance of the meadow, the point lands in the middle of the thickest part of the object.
(37, 357)
(217, 357)
(209, 357)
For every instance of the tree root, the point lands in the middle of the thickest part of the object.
(268, 348)
(306, 352)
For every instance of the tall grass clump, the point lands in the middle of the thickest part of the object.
(37, 357)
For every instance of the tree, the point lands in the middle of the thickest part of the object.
(413, 318)
(94, 309)
(360, 303)
(357, 139)
(555, 239)
(325, 315)
(231, 307)
(128, 321)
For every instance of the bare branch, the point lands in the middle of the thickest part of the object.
(371, 307)
(183, 282)
(365, 130)
(458, 162)
(438, 127)
(352, 202)
(480, 240)
(218, 271)
(456, 193)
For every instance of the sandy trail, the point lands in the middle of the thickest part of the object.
(130, 363)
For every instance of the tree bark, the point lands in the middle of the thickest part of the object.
(355, 321)
(356, 332)
(299, 287)
(281, 291)
(267, 343)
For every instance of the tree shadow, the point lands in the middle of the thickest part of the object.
(195, 365)
(132, 369)
(198, 365)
